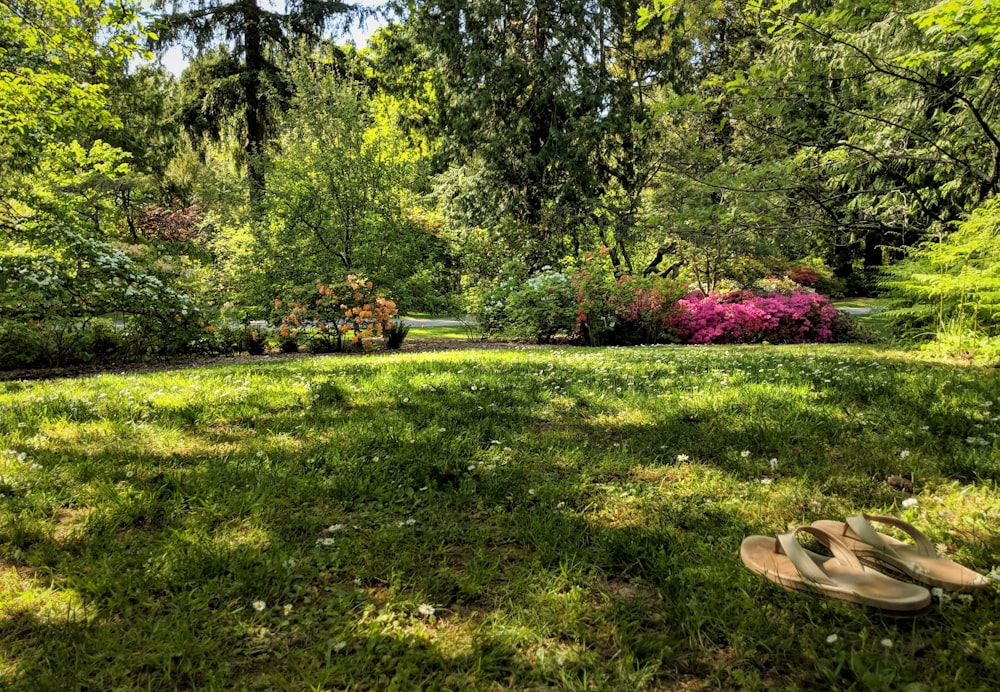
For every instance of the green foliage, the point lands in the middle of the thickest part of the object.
(950, 289)
(337, 200)
(56, 55)
(543, 110)
(395, 334)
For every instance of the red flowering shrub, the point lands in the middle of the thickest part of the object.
(805, 276)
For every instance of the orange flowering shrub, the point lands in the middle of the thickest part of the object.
(348, 310)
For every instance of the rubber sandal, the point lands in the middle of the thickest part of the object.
(919, 560)
(785, 561)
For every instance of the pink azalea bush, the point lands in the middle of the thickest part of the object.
(746, 317)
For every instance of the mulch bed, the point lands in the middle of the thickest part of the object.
(417, 345)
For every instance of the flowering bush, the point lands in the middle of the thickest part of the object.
(538, 306)
(745, 317)
(351, 307)
(623, 310)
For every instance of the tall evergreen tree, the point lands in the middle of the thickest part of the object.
(253, 34)
(545, 106)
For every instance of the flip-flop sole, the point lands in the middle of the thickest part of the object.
(867, 588)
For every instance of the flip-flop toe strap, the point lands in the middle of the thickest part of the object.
(788, 544)
(863, 529)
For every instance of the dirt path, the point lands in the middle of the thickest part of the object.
(416, 345)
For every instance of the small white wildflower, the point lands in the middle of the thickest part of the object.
(773, 463)
(426, 609)
(903, 454)
(333, 528)
(442, 430)
(374, 460)
(994, 574)
(682, 458)
(909, 502)
(290, 562)
(887, 643)
(471, 467)
(36, 467)
(531, 491)
(832, 639)
(745, 453)
(339, 646)
(411, 521)
(765, 481)
(259, 606)
(423, 488)
(286, 609)
(129, 474)
(357, 581)
(965, 597)
(325, 542)
(22, 425)
(406, 399)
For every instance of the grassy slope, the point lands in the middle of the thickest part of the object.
(536, 499)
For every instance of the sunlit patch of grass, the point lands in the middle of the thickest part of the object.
(568, 518)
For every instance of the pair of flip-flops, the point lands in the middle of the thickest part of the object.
(848, 574)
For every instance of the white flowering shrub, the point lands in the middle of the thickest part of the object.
(537, 306)
(65, 281)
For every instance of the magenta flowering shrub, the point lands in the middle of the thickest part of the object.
(745, 317)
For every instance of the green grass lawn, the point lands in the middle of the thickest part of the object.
(444, 332)
(536, 519)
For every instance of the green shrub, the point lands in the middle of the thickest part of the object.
(395, 334)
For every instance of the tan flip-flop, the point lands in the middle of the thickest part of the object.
(785, 561)
(919, 560)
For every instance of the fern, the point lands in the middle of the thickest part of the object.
(952, 285)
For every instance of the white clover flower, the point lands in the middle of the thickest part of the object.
(411, 521)
(904, 453)
(357, 581)
(259, 606)
(325, 542)
(333, 528)
(287, 608)
(765, 481)
(832, 639)
(909, 502)
(682, 458)
(887, 643)
(441, 430)
(426, 609)
(531, 491)
(745, 453)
